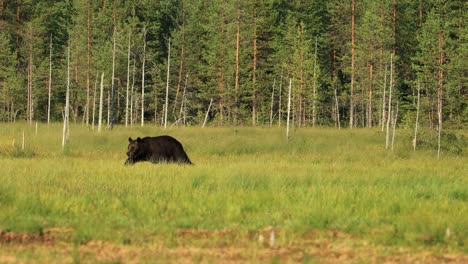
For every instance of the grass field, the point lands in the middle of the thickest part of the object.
(327, 196)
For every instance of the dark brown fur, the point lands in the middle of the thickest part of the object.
(156, 149)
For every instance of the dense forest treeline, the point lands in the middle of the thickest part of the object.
(350, 63)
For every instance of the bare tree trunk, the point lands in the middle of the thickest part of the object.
(30, 78)
(221, 87)
(417, 118)
(279, 100)
(108, 106)
(389, 101)
(289, 110)
(155, 91)
(207, 112)
(67, 102)
(369, 102)
(128, 78)
(337, 108)
(351, 96)
(112, 110)
(335, 93)
(394, 123)
(236, 85)
(183, 102)
(300, 95)
(75, 91)
(179, 81)
(254, 69)
(94, 99)
(132, 96)
(272, 102)
(88, 64)
(440, 87)
(167, 83)
(314, 92)
(143, 79)
(383, 121)
(100, 103)
(50, 81)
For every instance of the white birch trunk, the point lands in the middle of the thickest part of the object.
(289, 110)
(111, 104)
(394, 124)
(207, 112)
(132, 96)
(417, 118)
(50, 81)
(143, 79)
(279, 100)
(100, 103)
(108, 107)
(128, 79)
(389, 102)
(94, 99)
(337, 108)
(182, 104)
(314, 92)
(383, 98)
(167, 84)
(67, 102)
(272, 102)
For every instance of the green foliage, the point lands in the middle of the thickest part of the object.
(276, 41)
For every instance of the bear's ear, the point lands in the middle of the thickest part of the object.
(130, 139)
(138, 139)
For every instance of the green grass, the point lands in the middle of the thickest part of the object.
(243, 179)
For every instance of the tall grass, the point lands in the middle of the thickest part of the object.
(243, 179)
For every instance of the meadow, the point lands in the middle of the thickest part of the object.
(325, 188)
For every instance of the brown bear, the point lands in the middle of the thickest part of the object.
(156, 149)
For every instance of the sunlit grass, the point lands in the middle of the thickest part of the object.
(243, 179)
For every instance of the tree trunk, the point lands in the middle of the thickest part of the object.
(128, 78)
(112, 110)
(100, 103)
(167, 83)
(439, 87)
(417, 118)
(301, 80)
(371, 80)
(254, 69)
(394, 123)
(67, 102)
(236, 84)
(279, 99)
(314, 92)
(389, 102)
(272, 102)
(383, 99)
(351, 96)
(50, 81)
(179, 81)
(289, 110)
(155, 91)
(30, 78)
(132, 97)
(94, 99)
(207, 112)
(182, 113)
(108, 106)
(88, 63)
(143, 79)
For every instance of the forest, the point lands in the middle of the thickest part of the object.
(171, 62)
